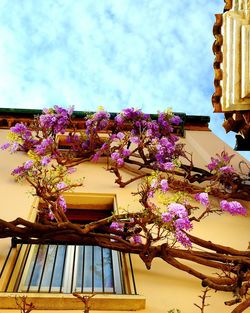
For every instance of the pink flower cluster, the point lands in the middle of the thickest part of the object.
(25, 142)
(233, 207)
(62, 203)
(44, 147)
(136, 239)
(56, 119)
(202, 198)
(177, 215)
(117, 226)
(97, 122)
(21, 170)
(221, 163)
(157, 184)
(118, 157)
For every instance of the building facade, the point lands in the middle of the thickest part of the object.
(159, 289)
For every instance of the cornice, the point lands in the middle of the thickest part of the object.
(9, 117)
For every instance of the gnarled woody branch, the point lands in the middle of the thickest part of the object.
(238, 189)
(242, 306)
(223, 258)
(151, 233)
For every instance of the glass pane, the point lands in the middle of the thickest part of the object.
(98, 269)
(56, 277)
(48, 267)
(108, 272)
(35, 268)
(88, 269)
(94, 270)
(80, 268)
(53, 268)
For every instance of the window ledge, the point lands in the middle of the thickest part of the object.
(69, 302)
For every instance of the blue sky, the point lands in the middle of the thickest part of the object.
(150, 54)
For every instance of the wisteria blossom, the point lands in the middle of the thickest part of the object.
(233, 207)
(146, 149)
(117, 226)
(202, 198)
(177, 216)
(164, 185)
(132, 137)
(221, 163)
(56, 119)
(136, 239)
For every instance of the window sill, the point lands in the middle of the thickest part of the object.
(69, 302)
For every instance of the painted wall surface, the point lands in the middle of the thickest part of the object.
(164, 287)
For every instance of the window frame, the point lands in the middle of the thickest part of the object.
(126, 301)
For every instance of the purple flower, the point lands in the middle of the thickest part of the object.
(233, 207)
(137, 123)
(202, 198)
(5, 146)
(150, 193)
(154, 183)
(149, 133)
(18, 170)
(43, 146)
(61, 185)
(72, 138)
(164, 185)
(166, 217)
(71, 170)
(96, 157)
(136, 239)
(221, 163)
(104, 146)
(178, 210)
(115, 156)
(120, 162)
(183, 224)
(14, 147)
(177, 214)
(120, 135)
(45, 160)
(97, 121)
(119, 119)
(213, 165)
(55, 119)
(28, 164)
(176, 120)
(226, 169)
(135, 140)
(19, 128)
(183, 239)
(168, 166)
(62, 203)
(126, 152)
(116, 226)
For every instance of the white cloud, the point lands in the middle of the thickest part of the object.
(116, 53)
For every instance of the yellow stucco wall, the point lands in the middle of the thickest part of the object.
(163, 286)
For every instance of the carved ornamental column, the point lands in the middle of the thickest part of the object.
(232, 69)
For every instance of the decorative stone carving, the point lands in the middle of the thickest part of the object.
(232, 69)
(236, 59)
(241, 5)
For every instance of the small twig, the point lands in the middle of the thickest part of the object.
(86, 299)
(203, 300)
(23, 305)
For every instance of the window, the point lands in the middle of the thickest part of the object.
(68, 269)
(57, 268)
